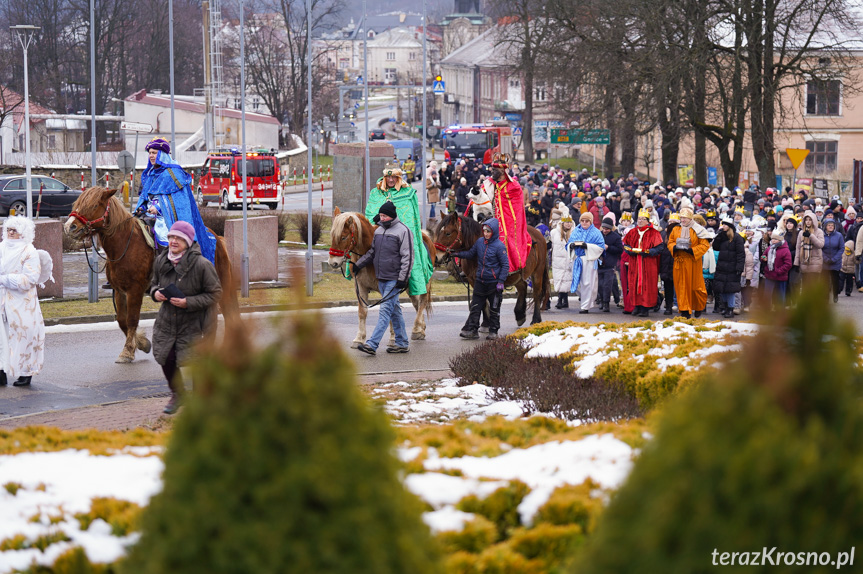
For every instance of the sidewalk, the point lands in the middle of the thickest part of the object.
(147, 412)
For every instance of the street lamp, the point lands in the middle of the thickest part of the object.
(25, 35)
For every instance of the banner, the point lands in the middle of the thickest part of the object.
(712, 176)
(819, 188)
(743, 180)
(803, 184)
(685, 175)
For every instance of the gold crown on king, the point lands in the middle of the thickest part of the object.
(501, 158)
(739, 209)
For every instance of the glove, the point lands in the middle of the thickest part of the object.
(353, 267)
(806, 234)
(500, 286)
(748, 283)
(859, 258)
(400, 285)
(689, 250)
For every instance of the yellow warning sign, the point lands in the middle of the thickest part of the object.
(796, 156)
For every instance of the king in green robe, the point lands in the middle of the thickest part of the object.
(392, 187)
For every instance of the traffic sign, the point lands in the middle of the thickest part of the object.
(357, 106)
(438, 87)
(516, 132)
(797, 156)
(579, 136)
(136, 127)
(126, 162)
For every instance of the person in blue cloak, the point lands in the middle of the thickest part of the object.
(167, 187)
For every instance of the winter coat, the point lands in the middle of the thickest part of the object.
(688, 277)
(834, 246)
(461, 199)
(22, 338)
(809, 256)
(392, 252)
(613, 251)
(546, 204)
(598, 214)
(781, 262)
(196, 277)
(584, 257)
(849, 262)
(730, 263)
(666, 264)
(561, 265)
(490, 254)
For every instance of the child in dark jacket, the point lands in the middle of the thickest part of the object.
(491, 272)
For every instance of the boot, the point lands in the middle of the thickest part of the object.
(2, 378)
(21, 381)
(559, 301)
(605, 308)
(468, 334)
(565, 301)
(174, 404)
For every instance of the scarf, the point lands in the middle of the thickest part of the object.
(771, 256)
(590, 235)
(175, 259)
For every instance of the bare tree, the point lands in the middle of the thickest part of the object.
(525, 30)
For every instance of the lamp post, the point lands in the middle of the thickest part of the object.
(310, 257)
(25, 35)
(171, 59)
(244, 284)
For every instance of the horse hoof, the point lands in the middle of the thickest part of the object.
(521, 321)
(124, 359)
(144, 345)
(418, 336)
(355, 344)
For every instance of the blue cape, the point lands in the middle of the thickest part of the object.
(589, 235)
(172, 185)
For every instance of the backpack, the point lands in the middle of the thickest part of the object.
(46, 265)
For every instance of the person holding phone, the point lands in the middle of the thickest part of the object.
(186, 284)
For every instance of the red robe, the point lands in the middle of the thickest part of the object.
(509, 211)
(643, 272)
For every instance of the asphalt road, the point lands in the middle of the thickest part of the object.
(79, 365)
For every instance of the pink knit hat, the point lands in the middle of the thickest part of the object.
(184, 231)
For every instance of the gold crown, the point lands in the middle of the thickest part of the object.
(501, 159)
(739, 209)
(643, 213)
(711, 214)
(674, 217)
(566, 219)
(626, 216)
(393, 168)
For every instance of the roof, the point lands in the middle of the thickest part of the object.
(10, 97)
(397, 38)
(482, 51)
(142, 97)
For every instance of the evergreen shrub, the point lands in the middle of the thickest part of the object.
(766, 454)
(279, 464)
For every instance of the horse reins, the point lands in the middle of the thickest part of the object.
(91, 229)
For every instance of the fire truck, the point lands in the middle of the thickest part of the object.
(221, 179)
(477, 141)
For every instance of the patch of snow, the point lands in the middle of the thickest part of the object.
(447, 519)
(440, 490)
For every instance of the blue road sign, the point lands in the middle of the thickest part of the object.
(438, 87)
(516, 132)
(357, 106)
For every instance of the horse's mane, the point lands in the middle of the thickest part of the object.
(342, 219)
(89, 203)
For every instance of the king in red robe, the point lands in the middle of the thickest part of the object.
(643, 244)
(509, 211)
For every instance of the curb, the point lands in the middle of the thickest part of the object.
(87, 319)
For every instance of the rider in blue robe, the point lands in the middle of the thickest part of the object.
(165, 180)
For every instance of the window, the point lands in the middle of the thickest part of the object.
(539, 93)
(15, 185)
(822, 157)
(390, 74)
(822, 98)
(391, 56)
(52, 141)
(412, 56)
(49, 184)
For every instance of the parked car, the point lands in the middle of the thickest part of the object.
(377, 134)
(57, 197)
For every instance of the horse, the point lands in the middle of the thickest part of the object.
(481, 200)
(458, 233)
(350, 238)
(129, 261)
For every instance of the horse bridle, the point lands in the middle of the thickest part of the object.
(90, 227)
(445, 249)
(339, 253)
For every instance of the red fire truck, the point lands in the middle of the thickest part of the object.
(221, 179)
(477, 141)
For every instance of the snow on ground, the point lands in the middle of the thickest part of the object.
(593, 345)
(543, 468)
(61, 484)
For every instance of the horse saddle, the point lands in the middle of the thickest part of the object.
(148, 228)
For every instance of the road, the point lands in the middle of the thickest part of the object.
(80, 370)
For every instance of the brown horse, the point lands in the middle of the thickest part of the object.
(350, 238)
(130, 261)
(458, 233)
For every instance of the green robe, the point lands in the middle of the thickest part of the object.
(407, 208)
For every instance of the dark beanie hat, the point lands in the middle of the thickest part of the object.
(388, 208)
(608, 223)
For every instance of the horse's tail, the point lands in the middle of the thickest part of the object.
(229, 302)
(432, 253)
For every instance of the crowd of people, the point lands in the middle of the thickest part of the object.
(676, 249)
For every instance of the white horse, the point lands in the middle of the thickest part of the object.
(482, 197)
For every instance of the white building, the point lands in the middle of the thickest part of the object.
(155, 109)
